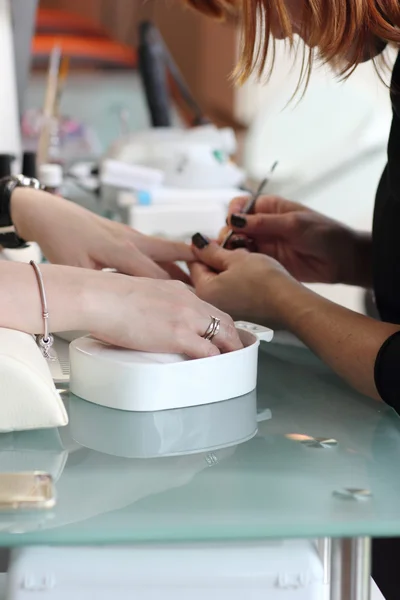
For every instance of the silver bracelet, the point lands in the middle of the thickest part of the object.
(45, 341)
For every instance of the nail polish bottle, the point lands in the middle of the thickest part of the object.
(29, 165)
(6, 161)
(51, 177)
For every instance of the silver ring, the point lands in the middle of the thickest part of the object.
(212, 329)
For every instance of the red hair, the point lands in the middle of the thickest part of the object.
(342, 30)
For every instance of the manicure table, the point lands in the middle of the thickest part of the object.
(314, 485)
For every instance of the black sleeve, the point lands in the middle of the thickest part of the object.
(8, 236)
(387, 371)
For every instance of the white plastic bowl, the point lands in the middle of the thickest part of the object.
(142, 381)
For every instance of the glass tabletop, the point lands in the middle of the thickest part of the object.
(278, 484)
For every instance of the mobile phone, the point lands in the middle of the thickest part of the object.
(32, 490)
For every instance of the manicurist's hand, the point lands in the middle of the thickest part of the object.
(238, 282)
(311, 246)
(70, 235)
(258, 288)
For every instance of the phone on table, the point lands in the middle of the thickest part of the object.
(33, 490)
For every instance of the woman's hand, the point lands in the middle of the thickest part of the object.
(130, 312)
(157, 316)
(312, 247)
(70, 235)
(239, 283)
(257, 288)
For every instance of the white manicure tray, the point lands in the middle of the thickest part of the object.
(142, 381)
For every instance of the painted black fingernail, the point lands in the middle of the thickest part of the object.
(199, 241)
(238, 221)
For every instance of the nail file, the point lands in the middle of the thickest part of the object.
(248, 208)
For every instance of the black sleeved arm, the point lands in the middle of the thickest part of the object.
(387, 371)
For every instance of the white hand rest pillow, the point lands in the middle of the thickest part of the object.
(28, 397)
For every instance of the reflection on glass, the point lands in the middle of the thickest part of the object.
(163, 433)
(298, 437)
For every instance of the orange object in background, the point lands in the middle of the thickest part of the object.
(84, 51)
(51, 21)
(205, 50)
(87, 45)
(84, 42)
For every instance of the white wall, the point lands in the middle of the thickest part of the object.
(254, 96)
(10, 142)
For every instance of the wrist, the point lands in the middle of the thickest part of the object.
(276, 290)
(287, 298)
(20, 302)
(21, 207)
(27, 208)
(67, 298)
(357, 265)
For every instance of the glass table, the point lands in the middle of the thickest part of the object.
(325, 465)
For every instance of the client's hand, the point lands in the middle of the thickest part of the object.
(156, 316)
(70, 235)
(312, 247)
(131, 312)
(242, 284)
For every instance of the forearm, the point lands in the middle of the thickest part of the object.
(20, 305)
(25, 204)
(347, 341)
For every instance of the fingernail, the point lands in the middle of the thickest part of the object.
(199, 241)
(238, 221)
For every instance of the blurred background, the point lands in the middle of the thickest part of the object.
(204, 50)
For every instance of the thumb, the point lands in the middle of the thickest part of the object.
(211, 254)
(263, 226)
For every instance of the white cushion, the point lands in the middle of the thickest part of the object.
(28, 397)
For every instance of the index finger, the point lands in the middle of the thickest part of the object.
(161, 250)
(136, 263)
